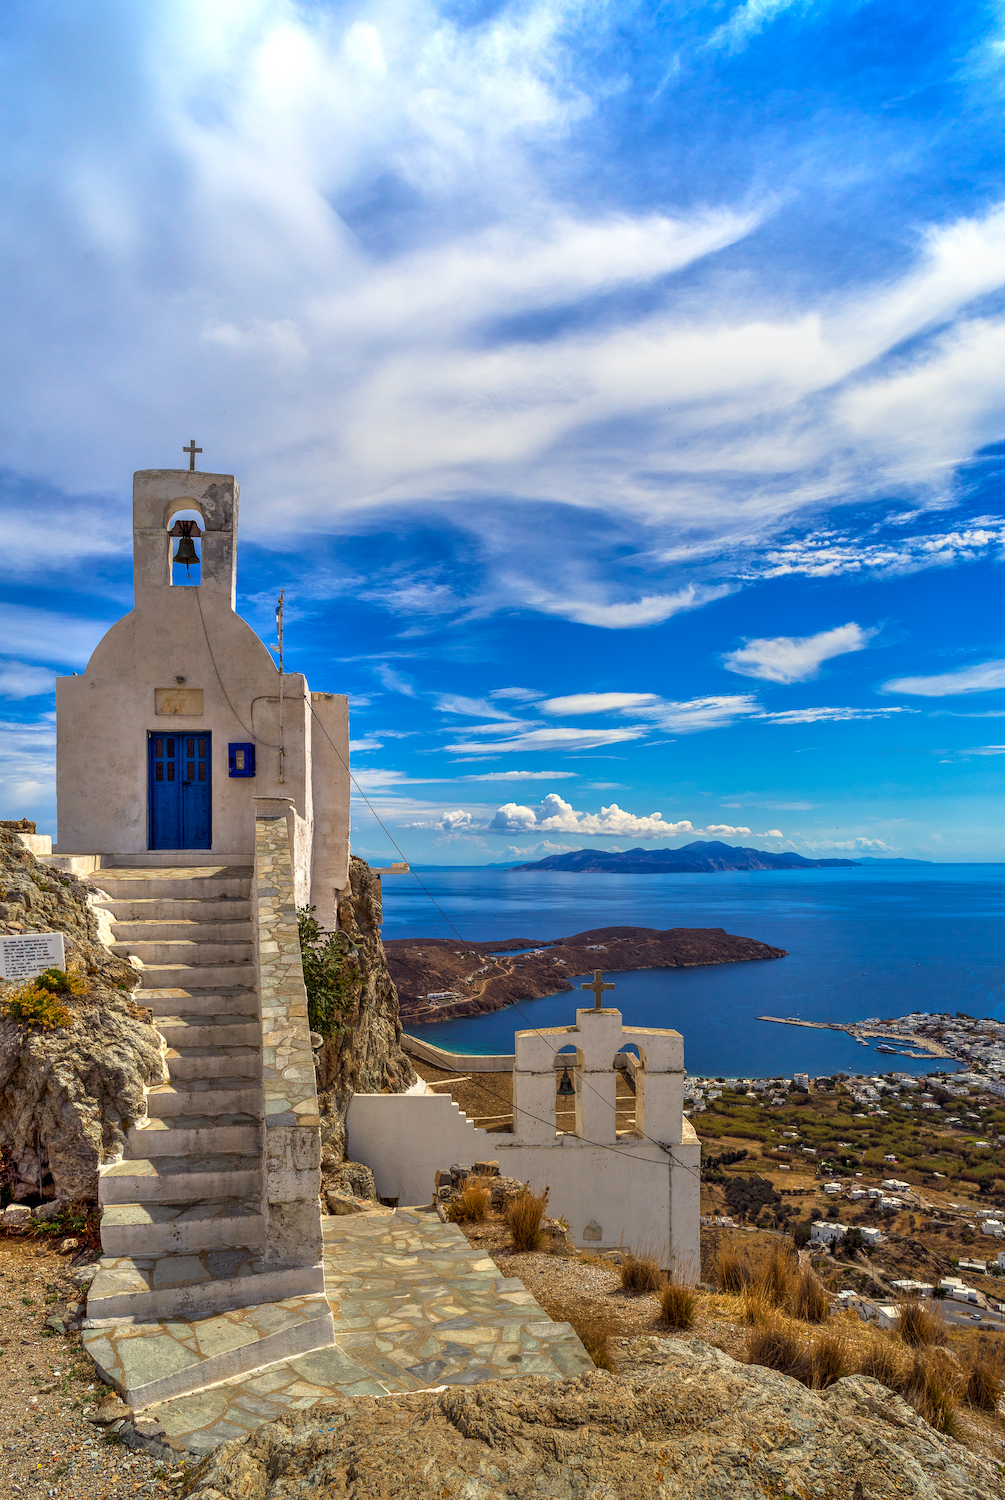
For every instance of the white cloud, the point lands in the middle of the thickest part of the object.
(368, 742)
(456, 822)
(984, 678)
(478, 708)
(550, 739)
(835, 715)
(521, 776)
(723, 828)
(773, 833)
(28, 772)
(519, 694)
(595, 703)
(45, 636)
(787, 658)
(630, 614)
(20, 681)
(695, 714)
(985, 750)
(368, 371)
(832, 553)
(557, 816)
(746, 21)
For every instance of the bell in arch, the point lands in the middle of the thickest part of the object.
(186, 553)
(566, 1086)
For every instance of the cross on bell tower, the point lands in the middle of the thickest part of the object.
(191, 450)
(598, 987)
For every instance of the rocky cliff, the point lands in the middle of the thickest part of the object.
(67, 1095)
(366, 1057)
(680, 1421)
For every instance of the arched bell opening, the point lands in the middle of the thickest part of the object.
(629, 1065)
(568, 1062)
(184, 533)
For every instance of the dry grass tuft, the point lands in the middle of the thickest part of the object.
(777, 1275)
(640, 1272)
(593, 1325)
(810, 1301)
(984, 1376)
(523, 1218)
(932, 1388)
(777, 1348)
(678, 1305)
(731, 1270)
(755, 1306)
(470, 1206)
(831, 1359)
(883, 1360)
(918, 1326)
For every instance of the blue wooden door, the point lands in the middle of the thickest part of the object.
(180, 781)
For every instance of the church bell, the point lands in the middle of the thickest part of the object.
(566, 1086)
(186, 552)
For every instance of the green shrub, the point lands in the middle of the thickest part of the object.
(30, 1006)
(331, 975)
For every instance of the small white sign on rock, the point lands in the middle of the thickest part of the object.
(24, 956)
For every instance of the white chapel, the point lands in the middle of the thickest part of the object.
(181, 718)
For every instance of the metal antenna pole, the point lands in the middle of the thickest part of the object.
(279, 632)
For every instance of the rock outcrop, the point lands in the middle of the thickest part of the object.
(681, 1421)
(366, 1057)
(68, 1095)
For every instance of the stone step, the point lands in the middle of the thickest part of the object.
(202, 976)
(205, 1096)
(197, 1135)
(181, 1179)
(136, 1288)
(133, 887)
(209, 1061)
(213, 1000)
(228, 1029)
(153, 1362)
(190, 951)
(154, 1229)
(183, 929)
(215, 909)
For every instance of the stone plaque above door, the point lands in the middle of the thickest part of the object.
(178, 700)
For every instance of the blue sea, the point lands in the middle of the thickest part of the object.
(879, 941)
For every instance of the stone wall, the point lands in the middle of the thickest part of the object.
(367, 1056)
(292, 1177)
(68, 1095)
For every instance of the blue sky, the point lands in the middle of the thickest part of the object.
(616, 389)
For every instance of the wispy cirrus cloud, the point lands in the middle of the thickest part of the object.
(986, 677)
(551, 738)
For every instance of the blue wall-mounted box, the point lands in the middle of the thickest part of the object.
(241, 759)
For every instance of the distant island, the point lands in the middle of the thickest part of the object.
(439, 979)
(700, 858)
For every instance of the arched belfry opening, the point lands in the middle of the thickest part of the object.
(630, 1066)
(568, 1090)
(185, 530)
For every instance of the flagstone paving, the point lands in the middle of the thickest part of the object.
(414, 1306)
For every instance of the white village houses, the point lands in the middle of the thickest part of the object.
(205, 797)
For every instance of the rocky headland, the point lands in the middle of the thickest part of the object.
(67, 1095)
(442, 978)
(679, 1420)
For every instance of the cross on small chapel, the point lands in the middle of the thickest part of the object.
(191, 450)
(598, 987)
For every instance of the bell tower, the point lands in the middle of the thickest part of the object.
(158, 496)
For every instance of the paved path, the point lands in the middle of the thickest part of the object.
(414, 1306)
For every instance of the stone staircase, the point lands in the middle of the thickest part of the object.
(183, 1224)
